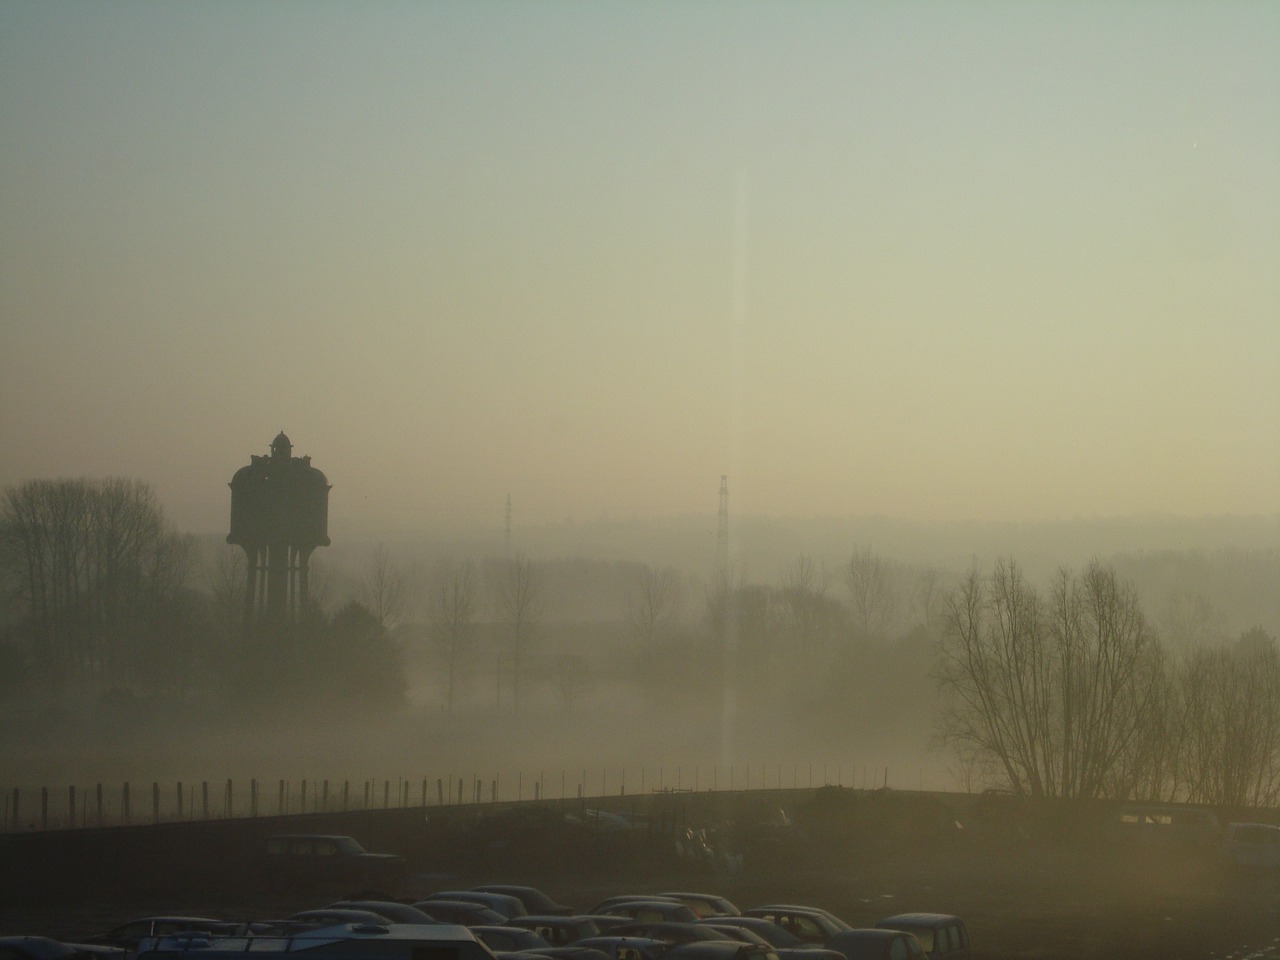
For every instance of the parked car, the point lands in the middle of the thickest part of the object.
(942, 935)
(671, 931)
(505, 939)
(503, 903)
(720, 950)
(877, 944)
(326, 917)
(46, 948)
(765, 929)
(604, 905)
(306, 861)
(571, 952)
(740, 934)
(809, 924)
(394, 941)
(556, 930)
(128, 935)
(626, 948)
(534, 900)
(464, 912)
(706, 904)
(1251, 846)
(393, 910)
(652, 911)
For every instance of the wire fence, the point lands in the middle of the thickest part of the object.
(126, 803)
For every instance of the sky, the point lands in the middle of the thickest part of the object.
(961, 261)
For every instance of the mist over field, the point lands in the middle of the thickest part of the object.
(597, 708)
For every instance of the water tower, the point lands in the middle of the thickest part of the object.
(279, 514)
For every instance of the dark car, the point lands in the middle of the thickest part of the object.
(877, 944)
(627, 948)
(810, 924)
(307, 861)
(128, 935)
(504, 939)
(942, 935)
(534, 900)
(572, 952)
(503, 903)
(767, 930)
(650, 910)
(670, 931)
(706, 904)
(393, 910)
(720, 950)
(464, 912)
(557, 930)
(328, 916)
(45, 948)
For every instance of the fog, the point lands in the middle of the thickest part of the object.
(600, 711)
(931, 286)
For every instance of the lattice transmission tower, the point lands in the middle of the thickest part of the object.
(722, 532)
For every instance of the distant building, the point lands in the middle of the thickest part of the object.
(279, 514)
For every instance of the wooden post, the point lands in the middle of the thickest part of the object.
(230, 801)
(386, 794)
(439, 791)
(302, 804)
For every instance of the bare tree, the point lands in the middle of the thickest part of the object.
(1230, 710)
(653, 605)
(383, 588)
(453, 611)
(88, 560)
(1057, 694)
(810, 620)
(521, 599)
(869, 581)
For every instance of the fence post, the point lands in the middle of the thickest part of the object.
(324, 803)
(180, 817)
(44, 808)
(71, 805)
(302, 802)
(17, 821)
(346, 794)
(204, 799)
(439, 790)
(155, 802)
(101, 817)
(253, 797)
(229, 805)
(424, 793)
(386, 794)
(124, 804)
(280, 806)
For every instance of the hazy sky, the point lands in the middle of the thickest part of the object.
(933, 260)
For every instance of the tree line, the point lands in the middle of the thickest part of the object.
(1063, 691)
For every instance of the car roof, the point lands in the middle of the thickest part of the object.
(920, 918)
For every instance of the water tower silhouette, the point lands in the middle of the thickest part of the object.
(279, 514)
